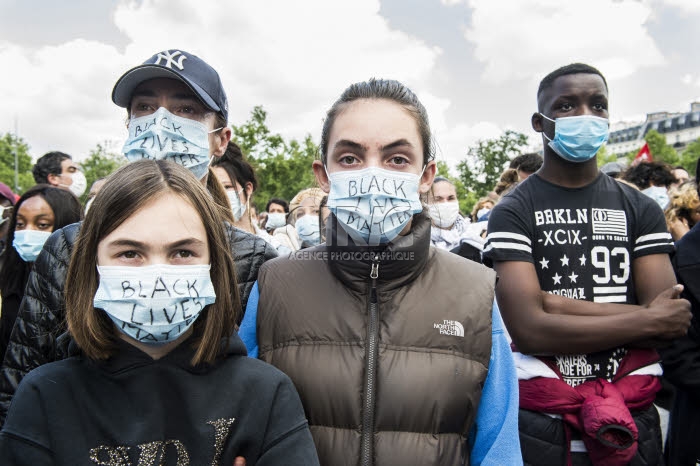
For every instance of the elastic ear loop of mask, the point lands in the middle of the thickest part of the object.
(553, 121)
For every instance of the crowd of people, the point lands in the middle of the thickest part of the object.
(366, 321)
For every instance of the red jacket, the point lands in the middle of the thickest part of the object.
(598, 409)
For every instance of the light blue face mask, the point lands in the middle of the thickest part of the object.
(578, 138)
(373, 205)
(308, 229)
(154, 304)
(162, 135)
(276, 220)
(659, 194)
(237, 207)
(28, 243)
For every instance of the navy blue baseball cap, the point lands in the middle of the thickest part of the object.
(201, 78)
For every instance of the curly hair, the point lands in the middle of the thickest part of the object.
(682, 202)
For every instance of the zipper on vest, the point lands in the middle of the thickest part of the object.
(371, 353)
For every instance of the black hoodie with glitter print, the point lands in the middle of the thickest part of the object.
(132, 409)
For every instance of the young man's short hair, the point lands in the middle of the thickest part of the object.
(48, 164)
(574, 68)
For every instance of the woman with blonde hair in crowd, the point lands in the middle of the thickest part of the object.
(156, 371)
(683, 210)
(303, 228)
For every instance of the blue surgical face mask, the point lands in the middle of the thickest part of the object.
(154, 304)
(28, 243)
(237, 207)
(373, 205)
(578, 138)
(308, 229)
(276, 220)
(659, 194)
(162, 135)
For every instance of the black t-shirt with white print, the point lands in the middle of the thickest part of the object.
(582, 242)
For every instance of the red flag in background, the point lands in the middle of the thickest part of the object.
(643, 155)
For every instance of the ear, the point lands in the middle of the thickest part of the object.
(54, 180)
(536, 121)
(426, 181)
(221, 140)
(248, 190)
(321, 176)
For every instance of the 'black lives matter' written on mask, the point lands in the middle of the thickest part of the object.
(154, 304)
(162, 135)
(373, 204)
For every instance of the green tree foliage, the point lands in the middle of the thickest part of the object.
(482, 168)
(8, 144)
(689, 157)
(100, 163)
(283, 168)
(660, 151)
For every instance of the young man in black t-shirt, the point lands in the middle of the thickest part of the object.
(584, 279)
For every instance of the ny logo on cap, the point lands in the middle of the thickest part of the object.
(170, 59)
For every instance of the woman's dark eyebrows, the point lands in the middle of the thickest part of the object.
(396, 144)
(346, 143)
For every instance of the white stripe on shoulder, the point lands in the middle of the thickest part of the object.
(507, 235)
(652, 245)
(518, 246)
(653, 236)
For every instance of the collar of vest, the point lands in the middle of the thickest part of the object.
(400, 261)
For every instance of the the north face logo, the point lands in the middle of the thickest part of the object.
(170, 59)
(450, 327)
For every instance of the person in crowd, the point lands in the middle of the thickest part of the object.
(508, 180)
(683, 210)
(482, 207)
(681, 176)
(681, 359)
(653, 179)
(449, 230)
(94, 189)
(58, 169)
(585, 286)
(184, 95)
(277, 210)
(414, 369)
(526, 164)
(154, 241)
(7, 204)
(303, 229)
(237, 177)
(41, 210)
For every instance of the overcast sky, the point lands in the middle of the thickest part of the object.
(475, 64)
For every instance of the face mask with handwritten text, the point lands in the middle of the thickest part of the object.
(373, 204)
(154, 304)
(162, 135)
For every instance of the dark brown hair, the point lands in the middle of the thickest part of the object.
(125, 192)
(237, 167)
(381, 89)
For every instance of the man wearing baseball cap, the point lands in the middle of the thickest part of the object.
(177, 110)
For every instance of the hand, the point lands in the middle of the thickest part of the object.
(239, 461)
(670, 313)
(678, 227)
